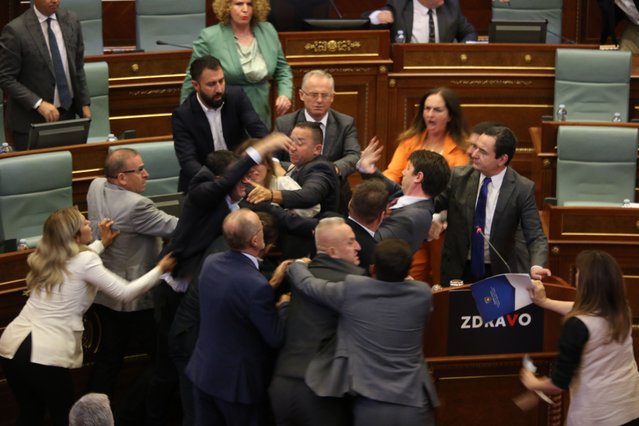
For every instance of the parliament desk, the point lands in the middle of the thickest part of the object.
(544, 162)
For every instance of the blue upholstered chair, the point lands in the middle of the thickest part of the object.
(31, 188)
(532, 10)
(596, 165)
(173, 21)
(592, 84)
(90, 15)
(98, 82)
(161, 164)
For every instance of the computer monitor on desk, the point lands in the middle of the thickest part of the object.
(59, 133)
(336, 24)
(517, 31)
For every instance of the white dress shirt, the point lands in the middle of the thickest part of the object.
(214, 117)
(491, 202)
(421, 25)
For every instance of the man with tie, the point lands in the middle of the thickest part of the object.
(214, 117)
(42, 68)
(487, 201)
(339, 132)
(425, 21)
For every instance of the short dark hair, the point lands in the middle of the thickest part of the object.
(482, 126)
(505, 141)
(218, 161)
(392, 259)
(316, 130)
(435, 169)
(369, 199)
(116, 161)
(206, 62)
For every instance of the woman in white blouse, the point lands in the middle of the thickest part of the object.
(44, 341)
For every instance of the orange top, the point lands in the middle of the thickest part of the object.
(454, 155)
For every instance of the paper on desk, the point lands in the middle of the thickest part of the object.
(501, 294)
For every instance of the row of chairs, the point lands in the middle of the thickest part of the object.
(33, 186)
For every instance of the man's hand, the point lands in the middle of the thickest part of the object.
(86, 112)
(279, 273)
(282, 104)
(49, 112)
(259, 193)
(285, 298)
(385, 17)
(370, 156)
(537, 272)
(273, 142)
(436, 229)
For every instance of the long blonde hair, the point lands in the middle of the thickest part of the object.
(47, 264)
(601, 292)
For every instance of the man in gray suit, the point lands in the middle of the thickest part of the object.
(309, 327)
(509, 203)
(378, 354)
(340, 134)
(142, 226)
(414, 17)
(42, 76)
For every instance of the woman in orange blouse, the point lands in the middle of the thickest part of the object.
(438, 126)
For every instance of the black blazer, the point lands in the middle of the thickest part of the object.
(366, 242)
(192, 133)
(319, 184)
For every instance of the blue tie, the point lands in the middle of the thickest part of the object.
(477, 239)
(58, 68)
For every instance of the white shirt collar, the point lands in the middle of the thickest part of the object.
(233, 205)
(407, 200)
(496, 180)
(255, 260)
(205, 107)
(41, 17)
(324, 119)
(370, 231)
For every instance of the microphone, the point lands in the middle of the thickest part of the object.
(166, 43)
(479, 231)
(567, 40)
(339, 14)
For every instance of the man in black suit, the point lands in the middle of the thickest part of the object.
(42, 76)
(415, 17)
(214, 117)
(509, 202)
(309, 327)
(613, 11)
(365, 213)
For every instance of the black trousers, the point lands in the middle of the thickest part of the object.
(38, 388)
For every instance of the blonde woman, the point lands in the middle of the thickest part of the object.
(250, 52)
(44, 341)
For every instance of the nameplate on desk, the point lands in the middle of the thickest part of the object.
(518, 331)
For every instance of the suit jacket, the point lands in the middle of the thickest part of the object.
(238, 315)
(515, 206)
(26, 69)
(219, 41)
(319, 186)
(453, 26)
(379, 338)
(309, 325)
(366, 242)
(202, 215)
(192, 133)
(142, 226)
(341, 145)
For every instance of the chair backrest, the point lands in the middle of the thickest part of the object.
(31, 188)
(596, 165)
(98, 82)
(592, 84)
(161, 164)
(173, 21)
(90, 15)
(527, 10)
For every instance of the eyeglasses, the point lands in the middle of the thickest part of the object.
(139, 170)
(315, 95)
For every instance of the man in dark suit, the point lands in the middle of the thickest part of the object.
(613, 11)
(214, 117)
(378, 356)
(365, 213)
(309, 327)
(509, 202)
(448, 23)
(43, 77)
(239, 327)
(311, 170)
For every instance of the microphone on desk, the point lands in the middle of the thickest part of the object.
(166, 43)
(339, 14)
(479, 231)
(562, 38)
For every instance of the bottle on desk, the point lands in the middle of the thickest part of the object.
(626, 203)
(22, 245)
(616, 118)
(111, 138)
(562, 113)
(6, 148)
(400, 38)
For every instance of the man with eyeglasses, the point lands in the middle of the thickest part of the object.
(341, 145)
(142, 227)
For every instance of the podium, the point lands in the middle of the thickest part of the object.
(478, 389)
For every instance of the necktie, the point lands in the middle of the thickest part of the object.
(58, 68)
(431, 26)
(477, 239)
